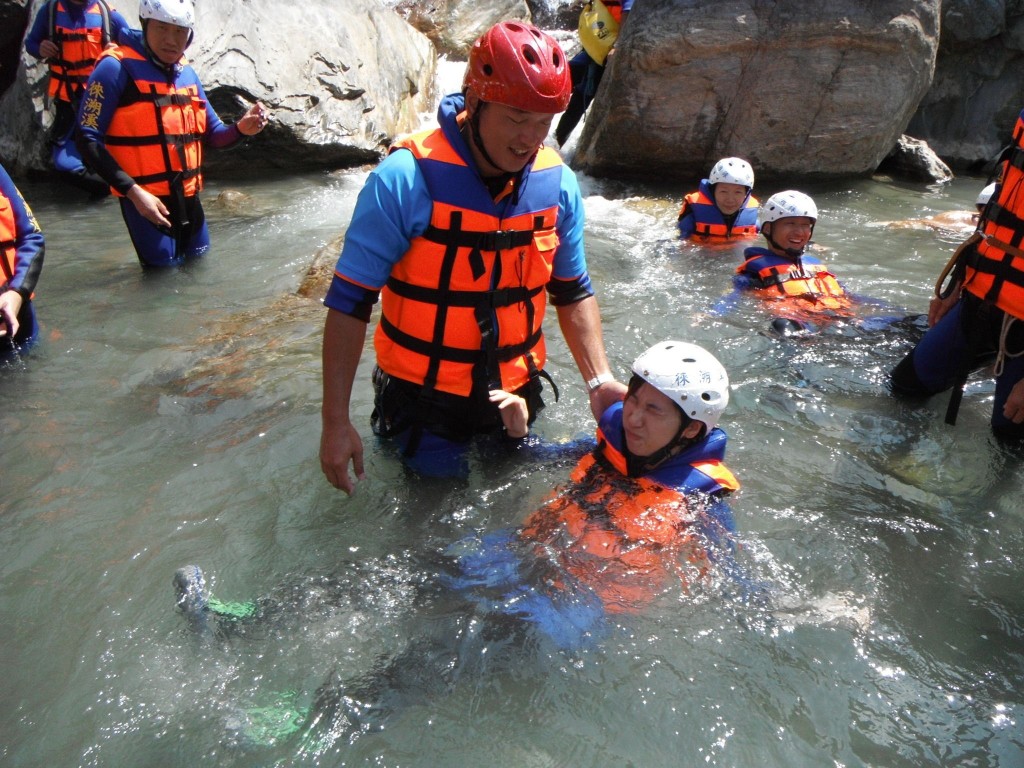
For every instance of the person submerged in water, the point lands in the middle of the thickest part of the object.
(723, 208)
(800, 290)
(952, 222)
(644, 514)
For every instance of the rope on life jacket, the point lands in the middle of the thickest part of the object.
(955, 266)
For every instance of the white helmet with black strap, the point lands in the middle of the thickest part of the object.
(783, 205)
(690, 376)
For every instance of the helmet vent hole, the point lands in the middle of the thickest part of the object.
(488, 70)
(530, 55)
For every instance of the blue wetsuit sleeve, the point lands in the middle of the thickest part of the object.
(687, 225)
(740, 284)
(40, 31)
(392, 208)
(536, 450)
(29, 244)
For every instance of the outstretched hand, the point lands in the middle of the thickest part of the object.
(254, 120)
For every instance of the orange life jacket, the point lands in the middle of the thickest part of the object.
(627, 539)
(630, 538)
(995, 273)
(469, 294)
(157, 139)
(806, 284)
(709, 224)
(615, 9)
(78, 47)
(8, 239)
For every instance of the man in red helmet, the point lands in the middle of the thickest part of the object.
(463, 231)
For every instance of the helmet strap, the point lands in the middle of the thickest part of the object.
(494, 183)
(478, 140)
(638, 465)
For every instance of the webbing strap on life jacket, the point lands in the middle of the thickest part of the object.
(778, 276)
(483, 303)
(453, 354)
(500, 297)
(433, 348)
(1002, 271)
(500, 240)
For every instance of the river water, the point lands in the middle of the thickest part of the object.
(173, 417)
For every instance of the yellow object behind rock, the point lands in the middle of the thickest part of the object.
(598, 30)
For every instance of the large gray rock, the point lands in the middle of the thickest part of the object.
(822, 92)
(453, 25)
(978, 91)
(914, 159)
(341, 79)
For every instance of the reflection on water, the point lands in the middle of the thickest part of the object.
(173, 417)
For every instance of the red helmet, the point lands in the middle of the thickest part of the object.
(517, 65)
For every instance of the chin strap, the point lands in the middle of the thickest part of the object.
(478, 142)
(793, 253)
(640, 465)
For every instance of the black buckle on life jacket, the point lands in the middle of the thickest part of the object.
(500, 297)
(499, 240)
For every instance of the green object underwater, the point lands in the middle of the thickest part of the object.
(230, 610)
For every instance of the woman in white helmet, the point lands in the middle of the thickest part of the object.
(722, 208)
(143, 126)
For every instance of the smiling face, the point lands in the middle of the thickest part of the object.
(510, 136)
(651, 421)
(790, 233)
(167, 41)
(729, 197)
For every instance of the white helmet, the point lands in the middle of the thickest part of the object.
(732, 170)
(181, 13)
(688, 375)
(783, 205)
(986, 194)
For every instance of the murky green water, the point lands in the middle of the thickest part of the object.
(173, 418)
